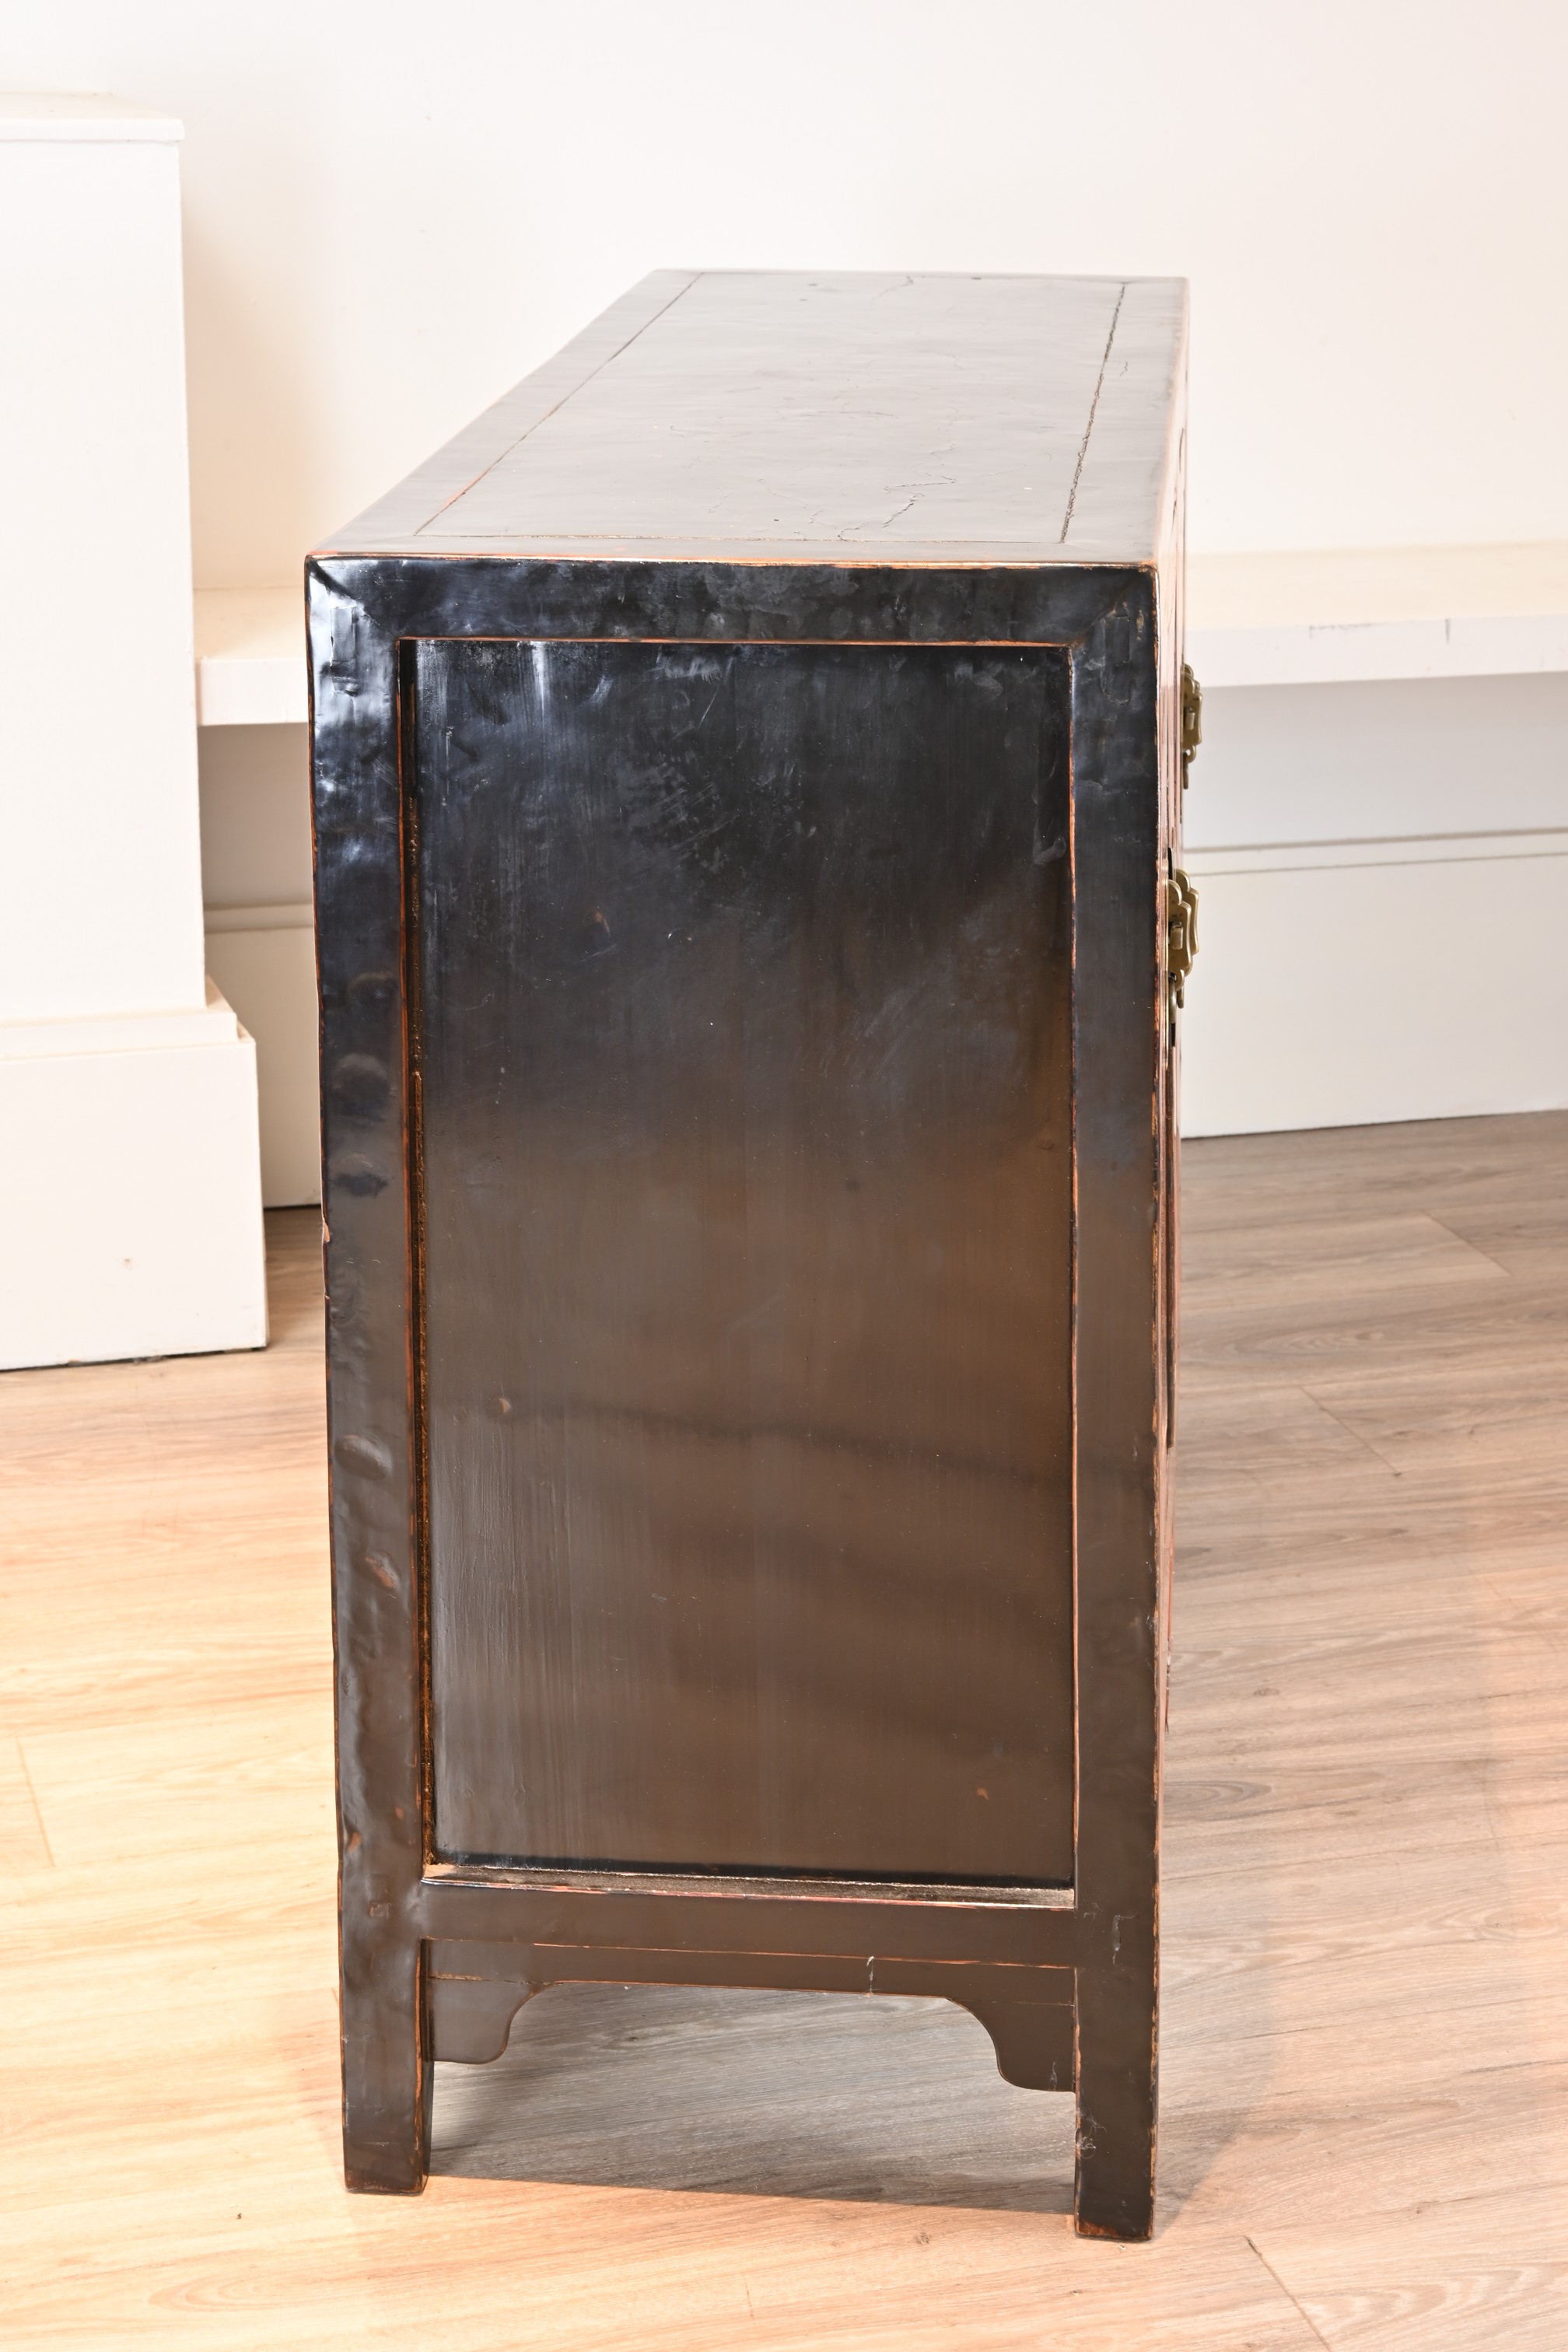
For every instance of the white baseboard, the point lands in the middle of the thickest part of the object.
(1348, 983)
(1339, 983)
(130, 1200)
(264, 960)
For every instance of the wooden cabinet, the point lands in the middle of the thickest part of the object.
(747, 780)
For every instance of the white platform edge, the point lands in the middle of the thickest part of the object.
(1397, 849)
(298, 915)
(212, 1023)
(75, 115)
(250, 657)
(1341, 653)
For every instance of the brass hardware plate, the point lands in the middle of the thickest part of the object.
(1181, 933)
(1192, 719)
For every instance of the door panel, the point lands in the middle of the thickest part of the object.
(741, 1000)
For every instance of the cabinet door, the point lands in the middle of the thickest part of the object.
(741, 986)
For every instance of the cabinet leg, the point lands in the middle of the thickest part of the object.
(1113, 2195)
(387, 2077)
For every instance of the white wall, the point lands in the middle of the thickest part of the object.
(392, 211)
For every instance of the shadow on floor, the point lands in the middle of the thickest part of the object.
(756, 2094)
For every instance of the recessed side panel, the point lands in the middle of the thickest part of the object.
(742, 1021)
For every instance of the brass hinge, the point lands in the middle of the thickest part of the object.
(1192, 719)
(1181, 933)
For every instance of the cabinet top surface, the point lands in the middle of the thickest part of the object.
(785, 416)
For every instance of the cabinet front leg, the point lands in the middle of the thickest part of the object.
(1113, 2195)
(388, 2079)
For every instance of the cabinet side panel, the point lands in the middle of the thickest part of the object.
(744, 1068)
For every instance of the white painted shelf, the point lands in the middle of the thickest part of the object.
(1371, 613)
(1252, 620)
(250, 657)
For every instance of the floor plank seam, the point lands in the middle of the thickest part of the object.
(1305, 2315)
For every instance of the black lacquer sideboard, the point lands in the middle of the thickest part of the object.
(747, 773)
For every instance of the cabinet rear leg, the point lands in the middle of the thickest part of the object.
(388, 2079)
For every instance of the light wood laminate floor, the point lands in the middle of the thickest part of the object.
(1366, 2020)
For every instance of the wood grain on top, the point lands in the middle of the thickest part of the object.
(790, 417)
